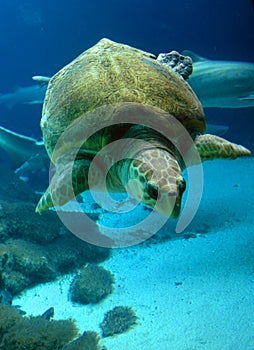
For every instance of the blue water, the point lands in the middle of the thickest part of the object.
(39, 37)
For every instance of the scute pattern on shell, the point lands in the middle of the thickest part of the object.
(109, 73)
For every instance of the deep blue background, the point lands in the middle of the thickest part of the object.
(38, 37)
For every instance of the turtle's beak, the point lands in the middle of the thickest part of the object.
(170, 202)
(169, 205)
(178, 202)
(176, 211)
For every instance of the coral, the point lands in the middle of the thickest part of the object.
(36, 249)
(5, 297)
(88, 341)
(36, 333)
(9, 316)
(15, 281)
(118, 320)
(69, 252)
(22, 264)
(12, 188)
(19, 220)
(92, 284)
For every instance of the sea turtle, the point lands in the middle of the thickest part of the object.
(121, 78)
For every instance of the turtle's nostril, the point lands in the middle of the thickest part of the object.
(172, 194)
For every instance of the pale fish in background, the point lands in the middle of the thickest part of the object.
(222, 84)
(217, 83)
(26, 95)
(26, 153)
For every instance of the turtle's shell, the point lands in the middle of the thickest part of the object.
(110, 73)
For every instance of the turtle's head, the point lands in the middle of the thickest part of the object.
(155, 179)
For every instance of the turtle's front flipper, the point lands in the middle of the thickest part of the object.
(68, 181)
(211, 146)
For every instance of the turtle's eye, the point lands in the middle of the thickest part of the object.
(182, 185)
(153, 191)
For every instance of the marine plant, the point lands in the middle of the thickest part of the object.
(9, 316)
(118, 320)
(35, 250)
(89, 340)
(23, 264)
(30, 333)
(92, 284)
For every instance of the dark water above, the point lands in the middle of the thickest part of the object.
(39, 37)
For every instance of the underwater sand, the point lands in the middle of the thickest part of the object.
(188, 294)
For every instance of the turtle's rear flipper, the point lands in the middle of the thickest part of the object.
(211, 146)
(68, 181)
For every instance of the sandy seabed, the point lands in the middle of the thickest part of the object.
(188, 294)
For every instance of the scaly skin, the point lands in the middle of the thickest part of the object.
(158, 181)
(211, 147)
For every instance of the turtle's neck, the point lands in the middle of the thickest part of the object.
(130, 147)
